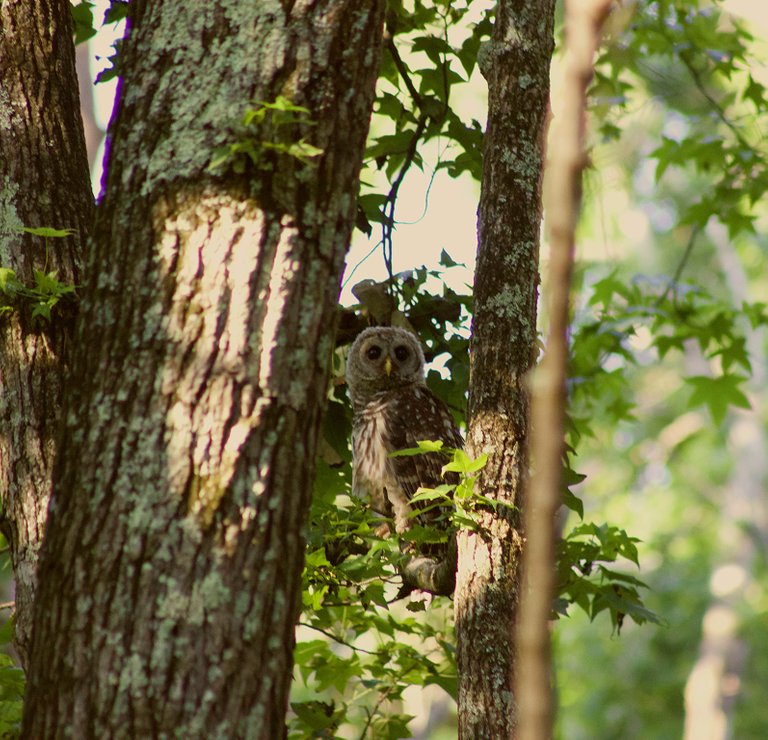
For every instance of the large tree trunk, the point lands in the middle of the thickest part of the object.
(171, 573)
(503, 351)
(43, 182)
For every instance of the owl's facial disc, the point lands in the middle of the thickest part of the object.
(383, 359)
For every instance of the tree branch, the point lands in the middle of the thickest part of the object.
(681, 265)
(403, 71)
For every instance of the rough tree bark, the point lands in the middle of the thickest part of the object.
(533, 686)
(43, 182)
(516, 66)
(170, 577)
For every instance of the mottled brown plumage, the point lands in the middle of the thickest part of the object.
(394, 410)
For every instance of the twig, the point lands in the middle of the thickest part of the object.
(339, 640)
(7, 605)
(696, 76)
(681, 265)
(371, 713)
(403, 71)
(383, 697)
(389, 207)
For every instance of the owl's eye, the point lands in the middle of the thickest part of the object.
(373, 352)
(401, 352)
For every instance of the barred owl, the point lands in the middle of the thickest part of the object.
(393, 410)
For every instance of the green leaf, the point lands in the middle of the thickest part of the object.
(621, 604)
(433, 46)
(573, 502)
(372, 205)
(717, 394)
(8, 281)
(316, 559)
(432, 494)
(424, 445)
(42, 310)
(254, 116)
(447, 261)
(82, 16)
(463, 464)
(281, 103)
(317, 716)
(303, 150)
(48, 231)
(118, 9)
(46, 282)
(6, 632)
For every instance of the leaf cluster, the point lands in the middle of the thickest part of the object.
(47, 290)
(368, 647)
(267, 130)
(351, 578)
(697, 61)
(424, 61)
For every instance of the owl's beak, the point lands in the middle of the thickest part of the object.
(388, 366)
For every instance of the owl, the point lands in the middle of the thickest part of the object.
(393, 410)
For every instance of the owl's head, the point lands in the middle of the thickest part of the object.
(382, 358)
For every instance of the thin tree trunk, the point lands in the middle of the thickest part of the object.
(43, 182)
(503, 351)
(567, 160)
(170, 579)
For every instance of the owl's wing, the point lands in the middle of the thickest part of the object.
(418, 414)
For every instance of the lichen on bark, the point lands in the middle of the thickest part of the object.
(43, 182)
(184, 481)
(503, 350)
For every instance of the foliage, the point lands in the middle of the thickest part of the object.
(380, 645)
(82, 17)
(650, 419)
(47, 291)
(85, 28)
(413, 106)
(267, 129)
(12, 685)
(351, 577)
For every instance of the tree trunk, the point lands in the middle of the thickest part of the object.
(502, 352)
(43, 182)
(170, 578)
